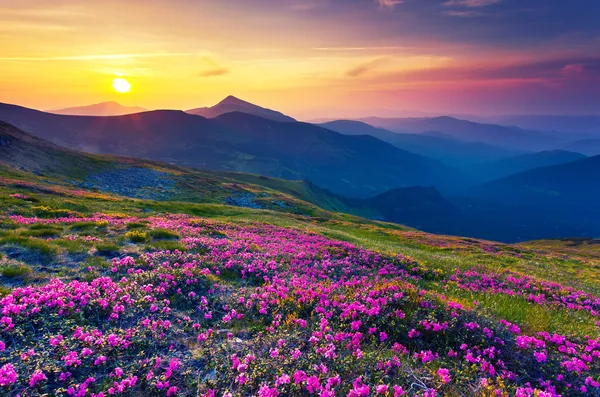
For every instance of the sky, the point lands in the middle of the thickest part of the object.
(307, 58)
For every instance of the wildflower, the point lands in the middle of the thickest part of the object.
(37, 377)
(444, 374)
(383, 336)
(8, 375)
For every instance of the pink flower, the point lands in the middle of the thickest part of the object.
(37, 377)
(381, 389)
(282, 380)
(313, 384)
(8, 376)
(540, 357)
(266, 391)
(444, 374)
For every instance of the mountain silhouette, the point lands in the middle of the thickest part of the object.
(513, 165)
(454, 152)
(355, 166)
(233, 104)
(100, 109)
(574, 184)
(497, 135)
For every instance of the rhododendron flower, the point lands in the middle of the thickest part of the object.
(37, 377)
(266, 391)
(444, 374)
(8, 376)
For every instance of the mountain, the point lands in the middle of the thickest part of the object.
(444, 148)
(513, 165)
(421, 207)
(100, 109)
(589, 147)
(233, 104)
(572, 124)
(570, 185)
(492, 134)
(28, 153)
(357, 166)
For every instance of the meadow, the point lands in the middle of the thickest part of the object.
(105, 295)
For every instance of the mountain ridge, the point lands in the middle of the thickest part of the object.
(353, 166)
(233, 104)
(108, 108)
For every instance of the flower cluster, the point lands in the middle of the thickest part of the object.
(258, 310)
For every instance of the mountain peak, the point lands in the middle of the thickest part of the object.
(234, 104)
(232, 100)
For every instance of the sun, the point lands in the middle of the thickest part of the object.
(121, 85)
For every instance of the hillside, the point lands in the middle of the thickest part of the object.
(208, 293)
(572, 184)
(232, 104)
(358, 166)
(454, 152)
(100, 109)
(590, 147)
(423, 208)
(563, 123)
(513, 165)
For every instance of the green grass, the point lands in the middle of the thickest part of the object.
(107, 248)
(42, 232)
(163, 234)
(73, 246)
(531, 317)
(41, 246)
(136, 225)
(165, 245)
(88, 226)
(16, 270)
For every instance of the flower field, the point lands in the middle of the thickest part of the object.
(229, 309)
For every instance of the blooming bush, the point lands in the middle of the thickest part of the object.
(257, 310)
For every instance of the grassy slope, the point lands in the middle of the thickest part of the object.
(433, 251)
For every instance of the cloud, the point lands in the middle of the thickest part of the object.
(97, 57)
(373, 48)
(464, 14)
(389, 3)
(214, 68)
(471, 3)
(215, 72)
(365, 67)
(552, 70)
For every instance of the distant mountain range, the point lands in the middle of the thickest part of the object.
(356, 166)
(565, 185)
(100, 109)
(233, 104)
(454, 152)
(492, 134)
(487, 171)
(589, 147)
(573, 124)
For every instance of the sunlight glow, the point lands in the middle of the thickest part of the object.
(121, 85)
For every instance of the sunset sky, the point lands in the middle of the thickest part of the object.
(308, 58)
